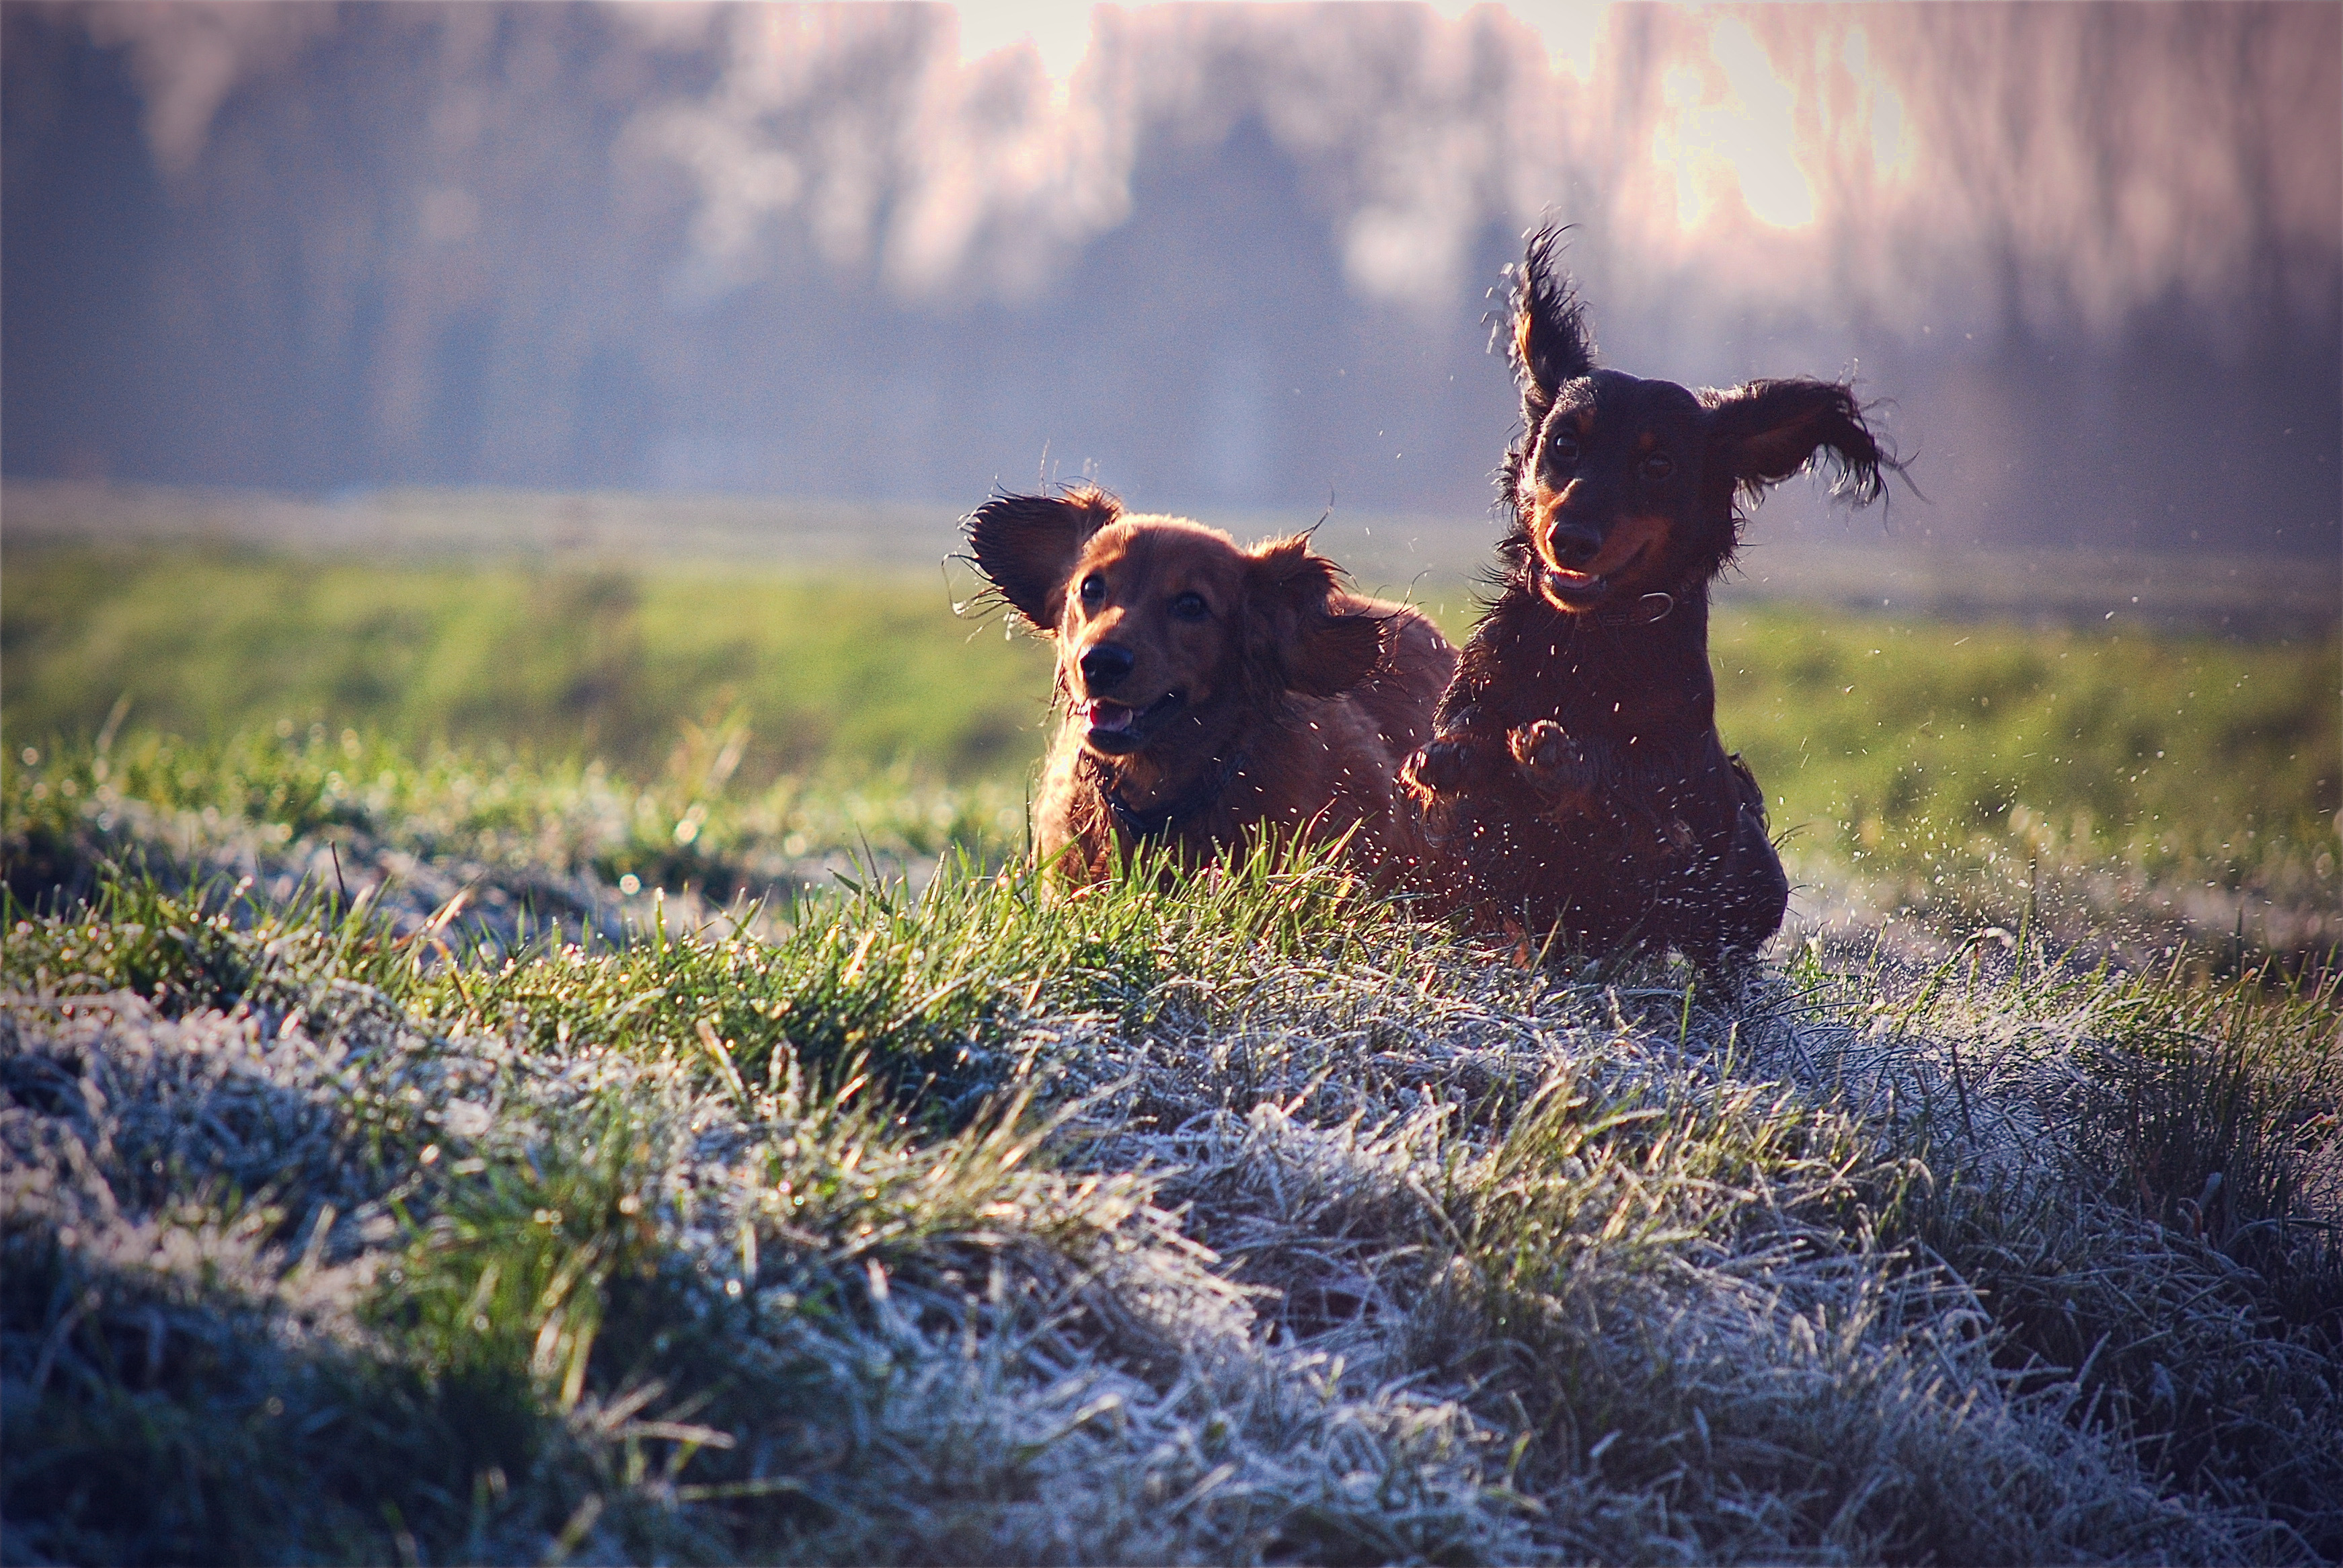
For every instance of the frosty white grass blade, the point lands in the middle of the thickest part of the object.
(1222, 1218)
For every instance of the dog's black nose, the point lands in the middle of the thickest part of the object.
(1104, 666)
(1575, 544)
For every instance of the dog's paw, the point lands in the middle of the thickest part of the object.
(1552, 761)
(1444, 766)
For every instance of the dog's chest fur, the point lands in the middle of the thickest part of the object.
(1627, 809)
(1631, 684)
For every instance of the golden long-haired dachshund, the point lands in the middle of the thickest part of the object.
(1210, 691)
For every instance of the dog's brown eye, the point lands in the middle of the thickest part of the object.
(1094, 588)
(1190, 606)
(1563, 449)
(1658, 466)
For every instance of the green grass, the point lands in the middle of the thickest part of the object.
(2139, 787)
(2121, 787)
(418, 1143)
(592, 663)
(2128, 736)
(564, 845)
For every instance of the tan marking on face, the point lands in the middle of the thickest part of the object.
(1545, 501)
(1640, 539)
(1629, 538)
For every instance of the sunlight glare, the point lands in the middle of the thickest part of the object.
(1057, 31)
(1893, 154)
(1742, 134)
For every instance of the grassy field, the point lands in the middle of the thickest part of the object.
(593, 663)
(2134, 787)
(415, 1144)
(2126, 786)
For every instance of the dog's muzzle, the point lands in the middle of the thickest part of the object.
(1563, 576)
(1573, 546)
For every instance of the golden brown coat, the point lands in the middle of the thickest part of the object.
(1210, 691)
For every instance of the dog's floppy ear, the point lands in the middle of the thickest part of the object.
(1027, 545)
(1551, 344)
(1294, 639)
(1766, 431)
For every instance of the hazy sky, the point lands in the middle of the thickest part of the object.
(1232, 256)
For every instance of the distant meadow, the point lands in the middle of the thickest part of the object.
(1965, 747)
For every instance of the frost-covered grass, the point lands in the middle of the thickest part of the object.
(1240, 1218)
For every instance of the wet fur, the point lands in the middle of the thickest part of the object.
(1576, 787)
(1298, 698)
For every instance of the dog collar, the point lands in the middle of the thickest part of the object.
(1158, 821)
(1651, 607)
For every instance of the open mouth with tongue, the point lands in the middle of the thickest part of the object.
(1572, 590)
(1118, 728)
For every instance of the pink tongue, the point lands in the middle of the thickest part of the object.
(1111, 715)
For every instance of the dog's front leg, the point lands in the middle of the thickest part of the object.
(1459, 758)
(1564, 773)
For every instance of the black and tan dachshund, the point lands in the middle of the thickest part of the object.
(1575, 787)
